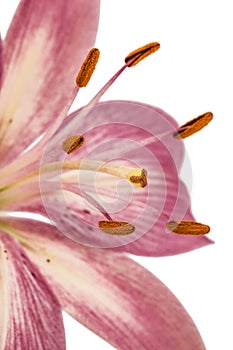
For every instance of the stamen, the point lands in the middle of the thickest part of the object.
(193, 126)
(131, 60)
(138, 178)
(116, 228)
(190, 228)
(87, 68)
(72, 143)
(141, 53)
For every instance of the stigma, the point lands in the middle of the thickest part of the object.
(138, 177)
(193, 126)
(87, 68)
(188, 228)
(116, 228)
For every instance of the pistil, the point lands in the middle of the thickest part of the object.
(137, 176)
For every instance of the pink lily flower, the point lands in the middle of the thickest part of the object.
(43, 271)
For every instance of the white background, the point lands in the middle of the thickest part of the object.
(191, 74)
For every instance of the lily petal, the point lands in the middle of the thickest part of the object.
(31, 316)
(43, 50)
(158, 241)
(106, 292)
(1, 63)
(123, 131)
(73, 212)
(120, 128)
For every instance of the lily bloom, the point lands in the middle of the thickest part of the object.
(42, 270)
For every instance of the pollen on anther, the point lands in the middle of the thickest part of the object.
(193, 126)
(87, 68)
(72, 143)
(188, 228)
(137, 55)
(116, 228)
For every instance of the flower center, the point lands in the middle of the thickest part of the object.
(135, 175)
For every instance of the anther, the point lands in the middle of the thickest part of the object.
(193, 126)
(116, 228)
(189, 228)
(137, 55)
(140, 179)
(72, 143)
(87, 68)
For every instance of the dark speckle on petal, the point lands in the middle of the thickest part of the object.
(86, 211)
(33, 274)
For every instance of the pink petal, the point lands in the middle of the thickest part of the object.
(28, 306)
(106, 292)
(119, 128)
(44, 48)
(158, 242)
(1, 63)
(81, 223)
(131, 133)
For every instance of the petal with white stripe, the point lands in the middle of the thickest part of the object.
(28, 305)
(109, 293)
(43, 50)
